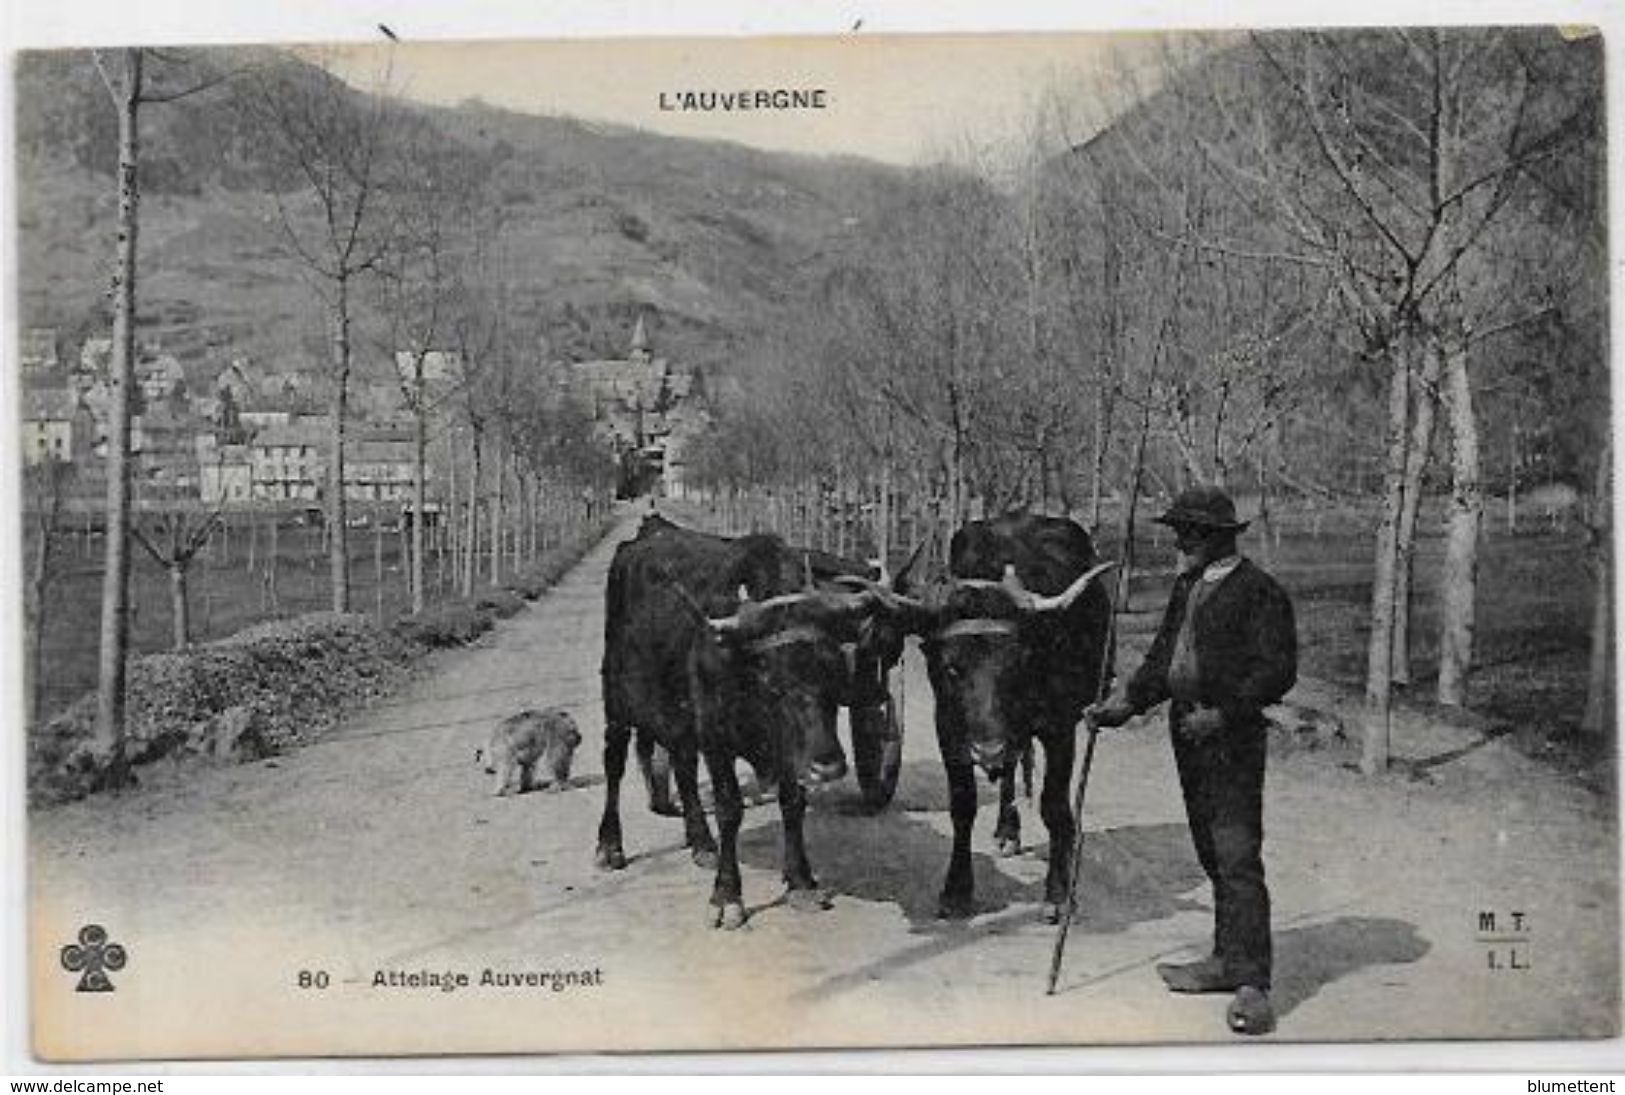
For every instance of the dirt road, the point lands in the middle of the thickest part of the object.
(302, 905)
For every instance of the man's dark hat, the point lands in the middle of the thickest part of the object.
(1203, 507)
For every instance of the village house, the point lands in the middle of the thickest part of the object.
(225, 473)
(37, 351)
(163, 447)
(378, 468)
(442, 368)
(57, 425)
(286, 461)
(159, 377)
(290, 463)
(96, 356)
(640, 404)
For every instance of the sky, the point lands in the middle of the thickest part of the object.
(900, 99)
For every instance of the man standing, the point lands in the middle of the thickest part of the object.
(1227, 648)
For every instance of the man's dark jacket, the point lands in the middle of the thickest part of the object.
(1246, 646)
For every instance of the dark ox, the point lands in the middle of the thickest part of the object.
(1015, 645)
(875, 648)
(721, 648)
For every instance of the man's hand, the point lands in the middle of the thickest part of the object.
(1113, 712)
(1202, 724)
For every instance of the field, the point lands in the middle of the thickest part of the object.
(224, 594)
(1535, 596)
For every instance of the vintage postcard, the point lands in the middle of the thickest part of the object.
(758, 543)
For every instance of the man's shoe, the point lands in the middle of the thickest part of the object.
(1206, 975)
(1250, 1012)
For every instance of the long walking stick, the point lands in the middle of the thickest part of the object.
(1093, 730)
(1069, 910)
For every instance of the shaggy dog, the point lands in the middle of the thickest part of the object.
(530, 750)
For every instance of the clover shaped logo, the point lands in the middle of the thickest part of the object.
(92, 957)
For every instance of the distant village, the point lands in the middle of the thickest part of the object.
(258, 436)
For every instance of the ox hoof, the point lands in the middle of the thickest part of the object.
(1009, 847)
(955, 908)
(1052, 912)
(610, 859)
(729, 917)
(665, 809)
(807, 901)
(705, 858)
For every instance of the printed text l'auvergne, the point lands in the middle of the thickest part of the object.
(745, 100)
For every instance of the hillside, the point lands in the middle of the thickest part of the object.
(714, 241)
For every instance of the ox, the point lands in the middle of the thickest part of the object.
(722, 648)
(1015, 645)
(864, 690)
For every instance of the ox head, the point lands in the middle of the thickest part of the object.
(978, 638)
(880, 633)
(787, 653)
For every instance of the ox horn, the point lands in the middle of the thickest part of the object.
(729, 624)
(900, 579)
(1064, 599)
(1012, 581)
(725, 625)
(880, 591)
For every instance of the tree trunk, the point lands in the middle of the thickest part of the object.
(450, 521)
(471, 525)
(338, 536)
(378, 567)
(1379, 651)
(498, 515)
(179, 613)
(420, 488)
(1416, 461)
(271, 567)
(39, 584)
(1599, 710)
(109, 739)
(1460, 592)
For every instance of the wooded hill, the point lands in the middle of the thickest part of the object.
(711, 241)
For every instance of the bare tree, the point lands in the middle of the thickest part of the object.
(422, 284)
(130, 86)
(334, 147)
(1388, 159)
(173, 539)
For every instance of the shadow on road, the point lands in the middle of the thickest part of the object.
(1129, 875)
(1308, 959)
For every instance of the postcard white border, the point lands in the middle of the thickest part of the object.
(28, 24)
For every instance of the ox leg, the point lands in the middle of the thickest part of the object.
(685, 764)
(958, 900)
(610, 856)
(1007, 832)
(1060, 749)
(656, 765)
(802, 892)
(727, 894)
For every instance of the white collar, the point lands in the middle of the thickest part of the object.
(1219, 569)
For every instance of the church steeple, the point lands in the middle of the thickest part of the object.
(640, 342)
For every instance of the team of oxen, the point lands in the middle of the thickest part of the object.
(745, 648)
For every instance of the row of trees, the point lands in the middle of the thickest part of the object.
(1277, 263)
(384, 217)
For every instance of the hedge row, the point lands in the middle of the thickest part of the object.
(270, 687)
